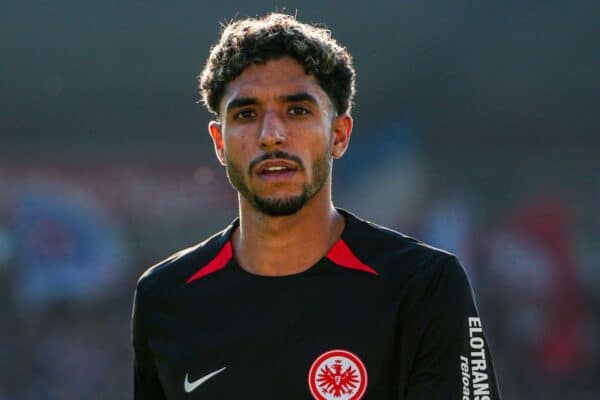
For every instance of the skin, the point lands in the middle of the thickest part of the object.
(277, 107)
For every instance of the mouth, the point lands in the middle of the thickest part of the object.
(276, 168)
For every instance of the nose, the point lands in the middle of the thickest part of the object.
(272, 133)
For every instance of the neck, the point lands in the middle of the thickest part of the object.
(274, 246)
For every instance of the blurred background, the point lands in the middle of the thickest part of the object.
(476, 129)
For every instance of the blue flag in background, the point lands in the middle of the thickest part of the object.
(67, 245)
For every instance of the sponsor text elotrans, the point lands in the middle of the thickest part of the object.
(475, 380)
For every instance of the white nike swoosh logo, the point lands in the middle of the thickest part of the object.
(191, 386)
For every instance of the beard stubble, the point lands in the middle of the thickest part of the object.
(279, 207)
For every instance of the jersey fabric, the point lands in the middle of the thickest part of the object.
(381, 316)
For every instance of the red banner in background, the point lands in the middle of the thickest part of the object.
(142, 192)
(533, 259)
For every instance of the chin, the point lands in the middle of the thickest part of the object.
(280, 206)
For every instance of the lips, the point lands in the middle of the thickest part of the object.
(276, 167)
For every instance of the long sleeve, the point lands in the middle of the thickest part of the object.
(146, 381)
(452, 359)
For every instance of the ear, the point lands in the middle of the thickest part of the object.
(216, 133)
(342, 129)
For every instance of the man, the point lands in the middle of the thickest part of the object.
(296, 299)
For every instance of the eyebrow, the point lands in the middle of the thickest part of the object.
(241, 102)
(289, 98)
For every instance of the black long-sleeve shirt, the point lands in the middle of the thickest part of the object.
(381, 316)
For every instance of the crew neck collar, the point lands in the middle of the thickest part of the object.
(339, 253)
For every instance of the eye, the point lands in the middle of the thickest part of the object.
(298, 110)
(245, 114)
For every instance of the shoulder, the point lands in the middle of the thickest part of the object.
(173, 271)
(395, 255)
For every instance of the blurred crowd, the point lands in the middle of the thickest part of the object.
(73, 241)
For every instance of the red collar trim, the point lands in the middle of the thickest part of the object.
(217, 263)
(341, 254)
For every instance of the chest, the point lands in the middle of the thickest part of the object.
(295, 341)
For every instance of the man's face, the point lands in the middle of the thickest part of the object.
(276, 137)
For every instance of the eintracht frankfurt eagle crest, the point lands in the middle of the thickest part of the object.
(337, 375)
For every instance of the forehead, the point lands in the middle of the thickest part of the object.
(273, 80)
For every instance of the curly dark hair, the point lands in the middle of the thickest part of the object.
(258, 40)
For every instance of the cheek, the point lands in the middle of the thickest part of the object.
(316, 157)
(320, 143)
(236, 145)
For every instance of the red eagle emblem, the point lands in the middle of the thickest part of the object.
(337, 375)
